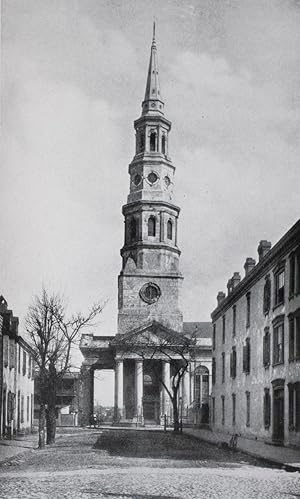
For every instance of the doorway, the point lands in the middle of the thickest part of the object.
(278, 412)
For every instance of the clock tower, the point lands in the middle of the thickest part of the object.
(150, 281)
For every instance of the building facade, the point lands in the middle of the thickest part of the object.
(149, 289)
(66, 403)
(16, 376)
(256, 347)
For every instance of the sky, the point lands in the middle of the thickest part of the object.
(73, 79)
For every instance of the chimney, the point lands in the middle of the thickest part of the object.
(249, 265)
(263, 248)
(229, 286)
(236, 278)
(220, 297)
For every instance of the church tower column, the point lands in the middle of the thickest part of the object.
(139, 385)
(167, 382)
(86, 395)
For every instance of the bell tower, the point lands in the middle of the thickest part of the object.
(150, 281)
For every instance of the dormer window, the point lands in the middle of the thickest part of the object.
(151, 226)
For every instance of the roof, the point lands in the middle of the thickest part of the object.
(198, 329)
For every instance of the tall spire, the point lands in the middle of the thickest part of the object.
(152, 103)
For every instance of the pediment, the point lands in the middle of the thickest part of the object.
(151, 334)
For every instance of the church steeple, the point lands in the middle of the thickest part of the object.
(150, 279)
(153, 103)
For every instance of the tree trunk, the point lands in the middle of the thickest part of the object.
(51, 399)
(42, 421)
(176, 422)
(51, 424)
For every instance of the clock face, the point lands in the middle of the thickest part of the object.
(150, 292)
(152, 177)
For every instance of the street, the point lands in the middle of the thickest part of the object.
(140, 464)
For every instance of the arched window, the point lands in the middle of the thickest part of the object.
(169, 230)
(151, 226)
(163, 144)
(152, 141)
(142, 141)
(133, 229)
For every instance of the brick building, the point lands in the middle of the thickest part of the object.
(16, 376)
(256, 346)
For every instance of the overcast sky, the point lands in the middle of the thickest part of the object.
(74, 75)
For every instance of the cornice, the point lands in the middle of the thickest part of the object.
(147, 245)
(271, 259)
(127, 208)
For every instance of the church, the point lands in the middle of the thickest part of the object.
(155, 355)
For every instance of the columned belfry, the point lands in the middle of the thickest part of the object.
(149, 282)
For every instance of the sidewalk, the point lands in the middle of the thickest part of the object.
(286, 457)
(12, 448)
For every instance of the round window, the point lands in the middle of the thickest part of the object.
(137, 179)
(152, 177)
(150, 292)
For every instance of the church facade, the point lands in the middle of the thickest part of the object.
(153, 344)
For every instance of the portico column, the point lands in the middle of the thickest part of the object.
(86, 395)
(139, 385)
(185, 391)
(167, 382)
(192, 374)
(119, 404)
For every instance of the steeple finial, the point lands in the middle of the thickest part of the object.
(153, 37)
(152, 103)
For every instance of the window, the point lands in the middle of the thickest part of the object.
(294, 406)
(169, 230)
(247, 408)
(5, 350)
(223, 367)
(292, 274)
(151, 226)
(24, 363)
(214, 337)
(248, 310)
(163, 144)
(213, 418)
(133, 229)
(213, 370)
(233, 408)
(266, 348)
(28, 407)
(294, 336)
(267, 295)
(233, 363)
(22, 408)
(152, 141)
(278, 344)
(233, 320)
(267, 408)
(279, 288)
(246, 357)
(12, 353)
(223, 409)
(291, 338)
(223, 328)
(29, 366)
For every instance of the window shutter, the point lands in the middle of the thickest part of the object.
(231, 365)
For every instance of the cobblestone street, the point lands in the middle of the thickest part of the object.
(176, 467)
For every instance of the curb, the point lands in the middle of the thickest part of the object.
(290, 468)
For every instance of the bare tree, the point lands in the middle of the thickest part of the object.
(168, 346)
(52, 336)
